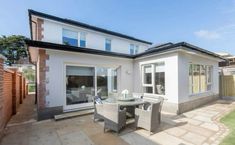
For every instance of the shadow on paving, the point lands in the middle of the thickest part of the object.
(26, 112)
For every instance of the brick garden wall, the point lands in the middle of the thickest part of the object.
(12, 93)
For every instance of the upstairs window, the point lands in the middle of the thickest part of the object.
(134, 49)
(70, 37)
(107, 45)
(82, 39)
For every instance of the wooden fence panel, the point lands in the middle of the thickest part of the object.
(227, 85)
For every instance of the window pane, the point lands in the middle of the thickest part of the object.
(79, 84)
(132, 49)
(203, 78)
(209, 77)
(209, 74)
(190, 78)
(70, 41)
(82, 43)
(82, 39)
(70, 34)
(148, 89)
(114, 80)
(160, 83)
(106, 81)
(107, 44)
(147, 74)
(70, 37)
(196, 80)
(102, 82)
(83, 36)
(136, 49)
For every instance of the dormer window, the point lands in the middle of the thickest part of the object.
(70, 37)
(82, 39)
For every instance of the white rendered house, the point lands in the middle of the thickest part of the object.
(76, 61)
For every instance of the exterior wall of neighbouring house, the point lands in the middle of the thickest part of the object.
(52, 32)
(186, 100)
(171, 78)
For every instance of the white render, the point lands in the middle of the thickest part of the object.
(129, 74)
(58, 60)
(129, 77)
(96, 40)
(184, 60)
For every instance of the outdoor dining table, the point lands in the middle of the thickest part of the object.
(128, 103)
(125, 102)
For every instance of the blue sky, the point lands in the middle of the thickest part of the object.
(208, 24)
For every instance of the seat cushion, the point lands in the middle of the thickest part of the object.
(98, 100)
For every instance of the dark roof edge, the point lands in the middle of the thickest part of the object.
(193, 47)
(61, 47)
(175, 47)
(76, 23)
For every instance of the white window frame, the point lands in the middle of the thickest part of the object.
(206, 83)
(210, 73)
(152, 79)
(106, 40)
(80, 38)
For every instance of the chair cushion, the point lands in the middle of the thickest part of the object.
(149, 108)
(98, 100)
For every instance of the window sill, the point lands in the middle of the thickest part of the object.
(149, 95)
(201, 93)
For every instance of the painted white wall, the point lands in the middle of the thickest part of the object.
(129, 74)
(171, 74)
(58, 59)
(95, 40)
(195, 58)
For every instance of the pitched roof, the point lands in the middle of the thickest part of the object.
(83, 25)
(62, 47)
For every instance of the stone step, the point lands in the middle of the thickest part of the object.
(73, 114)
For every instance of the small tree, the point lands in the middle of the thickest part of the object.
(13, 48)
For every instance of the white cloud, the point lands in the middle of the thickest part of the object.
(205, 34)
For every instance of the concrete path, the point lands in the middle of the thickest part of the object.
(197, 127)
(26, 112)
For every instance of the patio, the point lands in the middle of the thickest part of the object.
(199, 126)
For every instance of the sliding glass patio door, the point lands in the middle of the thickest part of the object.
(85, 82)
(80, 86)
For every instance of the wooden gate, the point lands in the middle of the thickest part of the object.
(227, 85)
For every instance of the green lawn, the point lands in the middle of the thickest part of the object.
(229, 121)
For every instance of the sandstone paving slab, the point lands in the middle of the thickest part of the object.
(43, 137)
(198, 130)
(136, 139)
(75, 138)
(202, 118)
(210, 126)
(176, 131)
(194, 138)
(190, 121)
(15, 139)
(141, 137)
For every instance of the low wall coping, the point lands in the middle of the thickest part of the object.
(2, 57)
(8, 70)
